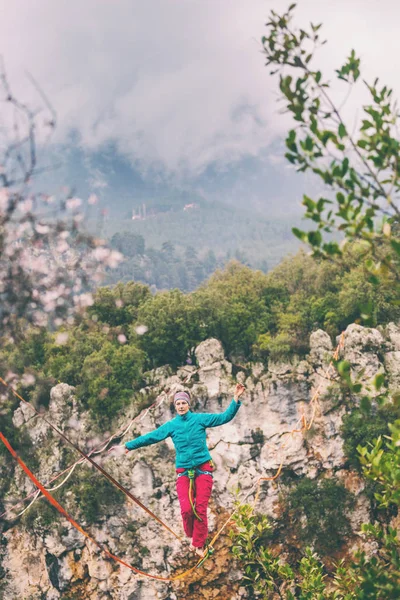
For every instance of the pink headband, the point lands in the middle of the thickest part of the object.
(182, 396)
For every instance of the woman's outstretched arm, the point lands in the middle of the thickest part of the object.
(159, 434)
(216, 419)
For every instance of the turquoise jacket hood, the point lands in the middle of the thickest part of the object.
(188, 433)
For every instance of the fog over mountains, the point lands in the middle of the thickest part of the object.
(244, 211)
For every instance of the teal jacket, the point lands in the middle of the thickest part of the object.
(188, 433)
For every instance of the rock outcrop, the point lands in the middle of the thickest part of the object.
(56, 561)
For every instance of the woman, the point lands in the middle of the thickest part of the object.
(193, 461)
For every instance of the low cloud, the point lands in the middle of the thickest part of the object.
(175, 86)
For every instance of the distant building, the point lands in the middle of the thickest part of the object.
(140, 213)
(190, 206)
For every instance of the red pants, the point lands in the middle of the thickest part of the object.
(202, 486)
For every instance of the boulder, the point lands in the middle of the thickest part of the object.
(392, 366)
(362, 348)
(392, 332)
(320, 347)
(208, 352)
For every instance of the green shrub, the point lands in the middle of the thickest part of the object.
(361, 427)
(265, 573)
(109, 377)
(94, 495)
(316, 514)
(40, 517)
(119, 305)
(275, 348)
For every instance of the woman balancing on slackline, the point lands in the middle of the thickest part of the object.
(193, 461)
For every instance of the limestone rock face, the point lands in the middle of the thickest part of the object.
(320, 346)
(57, 561)
(393, 335)
(392, 366)
(362, 347)
(209, 352)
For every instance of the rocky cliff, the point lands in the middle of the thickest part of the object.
(50, 559)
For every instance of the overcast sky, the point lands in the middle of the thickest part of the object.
(177, 85)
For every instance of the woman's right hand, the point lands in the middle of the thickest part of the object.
(118, 450)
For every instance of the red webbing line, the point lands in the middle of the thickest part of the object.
(96, 465)
(72, 465)
(61, 510)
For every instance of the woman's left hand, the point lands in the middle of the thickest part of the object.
(239, 389)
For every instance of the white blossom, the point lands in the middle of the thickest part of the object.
(84, 300)
(73, 203)
(61, 338)
(93, 199)
(114, 259)
(141, 329)
(3, 199)
(62, 247)
(28, 379)
(26, 205)
(42, 229)
(74, 424)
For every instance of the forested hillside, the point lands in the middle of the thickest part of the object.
(178, 248)
(256, 316)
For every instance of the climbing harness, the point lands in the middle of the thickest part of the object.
(192, 474)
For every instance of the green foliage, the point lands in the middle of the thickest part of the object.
(19, 440)
(119, 305)
(362, 427)
(309, 294)
(64, 361)
(105, 372)
(128, 243)
(359, 170)
(199, 242)
(255, 316)
(233, 307)
(276, 347)
(377, 576)
(312, 575)
(381, 464)
(109, 377)
(40, 518)
(94, 496)
(264, 573)
(167, 268)
(316, 514)
(88, 493)
(173, 328)
(18, 437)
